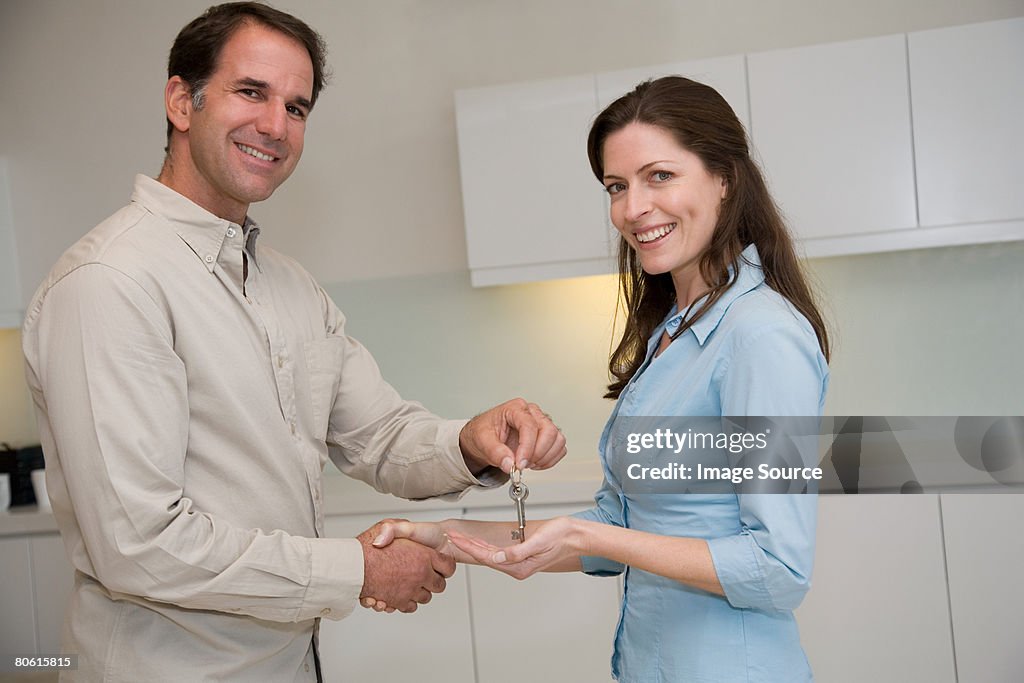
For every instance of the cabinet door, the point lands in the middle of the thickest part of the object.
(985, 560)
(53, 579)
(17, 617)
(550, 627)
(878, 609)
(532, 206)
(832, 126)
(434, 643)
(968, 97)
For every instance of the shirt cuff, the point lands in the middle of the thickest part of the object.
(448, 445)
(336, 579)
(739, 571)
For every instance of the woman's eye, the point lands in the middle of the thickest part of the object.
(615, 188)
(661, 176)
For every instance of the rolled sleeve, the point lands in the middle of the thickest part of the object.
(768, 564)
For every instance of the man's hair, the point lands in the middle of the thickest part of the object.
(197, 48)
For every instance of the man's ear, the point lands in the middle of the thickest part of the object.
(178, 103)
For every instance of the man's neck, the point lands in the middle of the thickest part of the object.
(180, 183)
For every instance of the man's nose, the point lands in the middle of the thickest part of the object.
(273, 120)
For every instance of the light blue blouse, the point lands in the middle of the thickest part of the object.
(751, 354)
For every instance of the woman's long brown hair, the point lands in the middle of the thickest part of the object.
(703, 122)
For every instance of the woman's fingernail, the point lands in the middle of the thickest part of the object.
(499, 557)
(379, 541)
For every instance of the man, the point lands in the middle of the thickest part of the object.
(190, 388)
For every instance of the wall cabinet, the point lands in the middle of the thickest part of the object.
(899, 142)
(968, 98)
(832, 126)
(526, 183)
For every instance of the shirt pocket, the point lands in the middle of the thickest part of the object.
(324, 361)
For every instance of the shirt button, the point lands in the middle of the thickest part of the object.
(293, 428)
(307, 668)
(325, 611)
(280, 361)
(231, 232)
(209, 259)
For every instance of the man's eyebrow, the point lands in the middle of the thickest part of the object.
(249, 82)
(252, 83)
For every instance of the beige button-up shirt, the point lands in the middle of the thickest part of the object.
(186, 415)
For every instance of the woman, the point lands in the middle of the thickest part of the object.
(720, 322)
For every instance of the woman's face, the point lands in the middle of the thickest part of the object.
(664, 202)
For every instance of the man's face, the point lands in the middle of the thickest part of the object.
(247, 137)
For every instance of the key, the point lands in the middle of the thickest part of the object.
(518, 492)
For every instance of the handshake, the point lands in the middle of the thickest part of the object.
(405, 563)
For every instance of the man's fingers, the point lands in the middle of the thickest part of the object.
(527, 430)
(443, 565)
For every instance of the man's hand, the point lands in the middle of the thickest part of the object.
(404, 574)
(513, 432)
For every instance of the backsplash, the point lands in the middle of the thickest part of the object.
(17, 418)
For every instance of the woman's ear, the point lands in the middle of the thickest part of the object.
(178, 103)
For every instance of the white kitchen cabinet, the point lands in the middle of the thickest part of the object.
(532, 206)
(37, 580)
(985, 560)
(10, 292)
(52, 581)
(550, 627)
(878, 608)
(832, 126)
(968, 101)
(435, 643)
(18, 621)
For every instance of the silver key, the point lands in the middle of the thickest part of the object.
(518, 492)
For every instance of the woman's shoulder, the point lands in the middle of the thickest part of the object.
(762, 311)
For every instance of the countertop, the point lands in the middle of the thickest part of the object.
(568, 483)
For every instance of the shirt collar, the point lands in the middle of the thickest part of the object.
(750, 277)
(202, 231)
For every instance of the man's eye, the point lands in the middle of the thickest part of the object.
(249, 92)
(298, 112)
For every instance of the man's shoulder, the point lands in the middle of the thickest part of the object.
(118, 241)
(127, 241)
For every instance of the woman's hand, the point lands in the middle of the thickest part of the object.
(553, 545)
